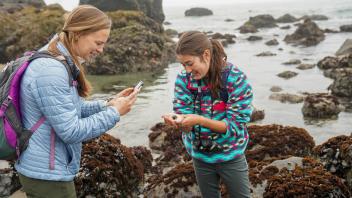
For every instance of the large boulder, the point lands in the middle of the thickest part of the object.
(345, 49)
(198, 12)
(28, 29)
(307, 34)
(109, 169)
(321, 105)
(336, 155)
(287, 18)
(151, 8)
(137, 43)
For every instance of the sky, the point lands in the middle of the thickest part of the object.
(70, 4)
(66, 4)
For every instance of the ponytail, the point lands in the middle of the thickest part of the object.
(217, 63)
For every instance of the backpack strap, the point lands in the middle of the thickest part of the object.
(72, 82)
(63, 59)
(223, 91)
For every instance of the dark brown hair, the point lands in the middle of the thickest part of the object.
(83, 20)
(194, 43)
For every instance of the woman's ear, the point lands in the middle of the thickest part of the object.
(206, 55)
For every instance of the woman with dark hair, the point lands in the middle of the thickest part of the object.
(212, 106)
(52, 101)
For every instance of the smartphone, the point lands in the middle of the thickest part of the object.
(139, 85)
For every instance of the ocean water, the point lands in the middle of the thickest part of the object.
(155, 99)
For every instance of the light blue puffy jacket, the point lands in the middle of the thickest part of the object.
(45, 91)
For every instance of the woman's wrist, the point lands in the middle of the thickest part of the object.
(200, 120)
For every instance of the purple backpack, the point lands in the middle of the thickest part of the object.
(13, 136)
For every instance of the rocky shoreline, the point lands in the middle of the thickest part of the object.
(283, 162)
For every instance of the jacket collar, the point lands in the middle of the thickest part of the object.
(75, 70)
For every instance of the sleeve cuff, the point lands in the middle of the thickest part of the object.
(103, 104)
(114, 110)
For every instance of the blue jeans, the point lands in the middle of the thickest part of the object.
(233, 173)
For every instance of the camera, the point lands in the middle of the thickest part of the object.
(206, 145)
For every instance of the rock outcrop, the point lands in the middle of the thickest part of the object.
(307, 34)
(198, 12)
(151, 8)
(109, 169)
(321, 105)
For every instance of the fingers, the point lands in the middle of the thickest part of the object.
(125, 92)
(169, 121)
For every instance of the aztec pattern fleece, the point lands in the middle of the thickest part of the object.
(236, 112)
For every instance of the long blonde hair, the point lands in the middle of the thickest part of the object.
(83, 20)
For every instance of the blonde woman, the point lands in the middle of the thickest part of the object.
(52, 100)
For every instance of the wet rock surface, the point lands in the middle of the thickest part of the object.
(168, 141)
(9, 181)
(262, 21)
(287, 74)
(336, 156)
(178, 182)
(287, 98)
(248, 28)
(345, 49)
(257, 115)
(321, 105)
(307, 34)
(315, 17)
(225, 39)
(286, 27)
(308, 180)
(254, 38)
(171, 32)
(340, 69)
(292, 62)
(28, 29)
(305, 66)
(198, 12)
(266, 53)
(275, 89)
(287, 18)
(151, 8)
(109, 169)
(12, 6)
(346, 28)
(275, 141)
(272, 42)
(137, 43)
